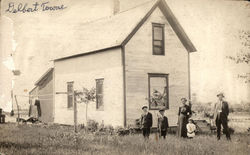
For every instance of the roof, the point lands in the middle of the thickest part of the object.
(31, 91)
(116, 30)
(44, 76)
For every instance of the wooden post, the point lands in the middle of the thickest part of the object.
(18, 115)
(75, 111)
(12, 102)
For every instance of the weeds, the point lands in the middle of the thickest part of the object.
(24, 139)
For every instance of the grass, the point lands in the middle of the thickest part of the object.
(34, 139)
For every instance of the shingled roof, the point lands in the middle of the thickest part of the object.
(116, 30)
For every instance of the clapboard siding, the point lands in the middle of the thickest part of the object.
(83, 70)
(139, 61)
(45, 92)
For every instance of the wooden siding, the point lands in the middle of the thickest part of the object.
(139, 61)
(84, 70)
(45, 92)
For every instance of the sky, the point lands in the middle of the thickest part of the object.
(213, 26)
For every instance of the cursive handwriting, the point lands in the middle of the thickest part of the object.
(25, 7)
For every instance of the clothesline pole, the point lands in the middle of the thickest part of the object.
(18, 115)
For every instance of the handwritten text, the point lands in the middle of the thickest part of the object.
(25, 7)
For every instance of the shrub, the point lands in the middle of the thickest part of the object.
(240, 107)
(204, 108)
(122, 131)
(92, 125)
(108, 129)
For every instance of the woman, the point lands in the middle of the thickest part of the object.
(183, 116)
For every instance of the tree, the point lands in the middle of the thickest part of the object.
(86, 96)
(243, 57)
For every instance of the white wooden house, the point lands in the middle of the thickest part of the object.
(134, 58)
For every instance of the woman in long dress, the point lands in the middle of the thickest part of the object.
(183, 116)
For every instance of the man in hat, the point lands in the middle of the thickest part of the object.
(221, 111)
(162, 124)
(146, 122)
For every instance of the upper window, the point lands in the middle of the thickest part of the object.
(158, 91)
(158, 39)
(99, 94)
(70, 91)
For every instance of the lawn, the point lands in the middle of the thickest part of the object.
(54, 139)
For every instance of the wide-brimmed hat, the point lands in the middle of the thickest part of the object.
(144, 107)
(162, 109)
(220, 94)
(184, 99)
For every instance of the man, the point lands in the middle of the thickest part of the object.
(146, 122)
(221, 111)
(162, 124)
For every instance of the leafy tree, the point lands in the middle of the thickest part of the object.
(86, 96)
(243, 57)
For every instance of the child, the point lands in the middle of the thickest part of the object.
(191, 128)
(162, 124)
(146, 122)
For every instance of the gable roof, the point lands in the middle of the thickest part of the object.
(115, 31)
(44, 76)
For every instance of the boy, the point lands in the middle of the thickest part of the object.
(146, 122)
(162, 124)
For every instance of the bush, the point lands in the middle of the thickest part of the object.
(108, 129)
(204, 108)
(92, 125)
(122, 131)
(240, 107)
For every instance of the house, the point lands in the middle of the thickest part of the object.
(41, 98)
(134, 58)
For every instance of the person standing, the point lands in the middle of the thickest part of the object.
(162, 124)
(146, 122)
(183, 116)
(221, 111)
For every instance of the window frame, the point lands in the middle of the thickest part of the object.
(162, 26)
(70, 94)
(151, 75)
(99, 107)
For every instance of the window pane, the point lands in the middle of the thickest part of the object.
(99, 87)
(158, 43)
(158, 51)
(99, 101)
(158, 92)
(158, 33)
(99, 93)
(70, 101)
(70, 91)
(70, 87)
(158, 39)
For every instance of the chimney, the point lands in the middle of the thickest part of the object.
(116, 6)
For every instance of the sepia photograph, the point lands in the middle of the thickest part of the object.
(125, 77)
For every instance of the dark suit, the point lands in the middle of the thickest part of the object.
(220, 115)
(146, 124)
(163, 126)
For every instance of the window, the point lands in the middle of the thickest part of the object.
(70, 92)
(99, 94)
(158, 91)
(158, 39)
